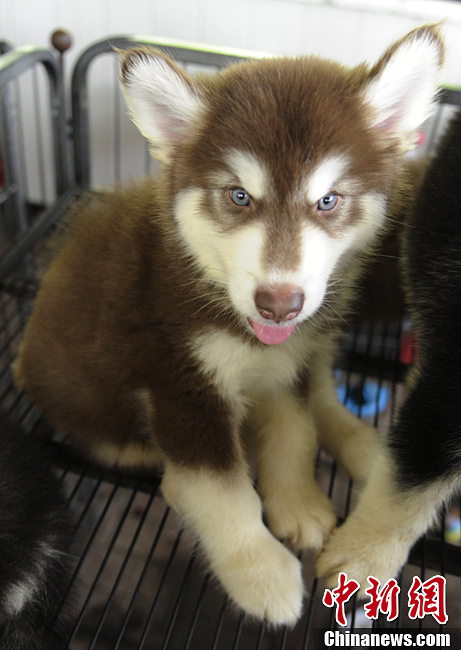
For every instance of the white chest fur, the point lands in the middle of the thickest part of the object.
(242, 371)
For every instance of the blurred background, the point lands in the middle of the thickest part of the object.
(348, 30)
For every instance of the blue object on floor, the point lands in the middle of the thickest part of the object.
(453, 528)
(364, 400)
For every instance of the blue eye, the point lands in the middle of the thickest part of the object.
(240, 197)
(328, 202)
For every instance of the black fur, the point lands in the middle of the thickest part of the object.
(426, 442)
(34, 538)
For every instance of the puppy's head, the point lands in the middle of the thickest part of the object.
(282, 168)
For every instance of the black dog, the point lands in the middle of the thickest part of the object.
(34, 538)
(420, 466)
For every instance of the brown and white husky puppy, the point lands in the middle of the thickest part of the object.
(188, 309)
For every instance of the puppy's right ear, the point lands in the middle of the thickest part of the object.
(161, 98)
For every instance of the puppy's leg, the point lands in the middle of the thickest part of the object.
(348, 439)
(376, 538)
(295, 507)
(223, 509)
(110, 423)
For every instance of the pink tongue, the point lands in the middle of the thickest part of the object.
(272, 334)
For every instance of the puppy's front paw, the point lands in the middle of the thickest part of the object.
(360, 551)
(305, 522)
(264, 579)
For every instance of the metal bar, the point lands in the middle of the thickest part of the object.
(429, 552)
(82, 558)
(20, 146)
(185, 53)
(35, 232)
(259, 640)
(284, 639)
(178, 602)
(103, 564)
(197, 610)
(40, 145)
(123, 566)
(310, 615)
(238, 633)
(17, 61)
(88, 501)
(12, 65)
(449, 95)
(15, 208)
(150, 616)
(219, 624)
(141, 578)
(117, 126)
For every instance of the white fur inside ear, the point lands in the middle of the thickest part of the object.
(403, 93)
(162, 102)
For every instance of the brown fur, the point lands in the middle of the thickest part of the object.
(114, 311)
(290, 99)
(118, 303)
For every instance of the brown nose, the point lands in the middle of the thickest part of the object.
(279, 303)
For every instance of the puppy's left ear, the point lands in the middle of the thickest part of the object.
(401, 88)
